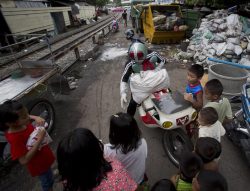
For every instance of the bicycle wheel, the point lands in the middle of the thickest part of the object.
(43, 108)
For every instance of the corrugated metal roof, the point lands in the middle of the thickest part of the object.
(29, 4)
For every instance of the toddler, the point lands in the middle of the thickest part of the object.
(210, 126)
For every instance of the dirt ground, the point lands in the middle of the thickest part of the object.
(97, 98)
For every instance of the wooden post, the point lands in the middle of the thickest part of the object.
(77, 53)
(93, 39)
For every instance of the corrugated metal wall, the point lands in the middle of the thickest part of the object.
(27, 4)
(31, 20)
(87, 12)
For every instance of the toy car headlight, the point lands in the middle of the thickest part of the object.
(167, 124)
(194, 115)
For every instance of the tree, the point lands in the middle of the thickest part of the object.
(117, 2)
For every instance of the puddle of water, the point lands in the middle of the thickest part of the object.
(113, 53)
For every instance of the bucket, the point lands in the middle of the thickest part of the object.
(231, 77)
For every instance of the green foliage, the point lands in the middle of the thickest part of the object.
(117, 2)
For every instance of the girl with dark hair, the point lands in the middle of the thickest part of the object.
(83, 167)
(127, 145)
(38, 157)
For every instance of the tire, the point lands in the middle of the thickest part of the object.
(43, 108)
(175, 142)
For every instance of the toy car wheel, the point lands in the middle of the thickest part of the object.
(175, 142)
(43, 108)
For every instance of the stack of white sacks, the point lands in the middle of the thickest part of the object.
(221, 36)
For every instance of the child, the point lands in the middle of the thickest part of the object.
(209, 124)
(189, 165)
(208, 180)
(124, 17)
(194, 92)
(15, 121)
(163, 185)
(82, 165)
(213, 91)
(127, 145)
(208, 149)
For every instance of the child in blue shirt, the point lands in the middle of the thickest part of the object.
(194, 91)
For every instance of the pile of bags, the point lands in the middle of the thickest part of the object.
(221, 36)
(168, 22)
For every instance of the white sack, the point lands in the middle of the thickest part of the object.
(235, 40)
(222, 27)
(212, 51)
(245, 62)
(248, 47)
(238, 50)
(230, 46)
(219, 21)
(232, 33)
(220, 48)
(233, 22)
(144, 83)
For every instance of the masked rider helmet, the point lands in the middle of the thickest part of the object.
(138, 52)
(129, 34)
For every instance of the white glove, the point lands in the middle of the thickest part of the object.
(159, 66)
(123, 100)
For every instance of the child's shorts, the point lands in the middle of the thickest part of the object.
(47, 180)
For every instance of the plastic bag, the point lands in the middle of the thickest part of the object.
(33, 138)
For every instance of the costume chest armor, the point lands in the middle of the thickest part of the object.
(146, 65)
